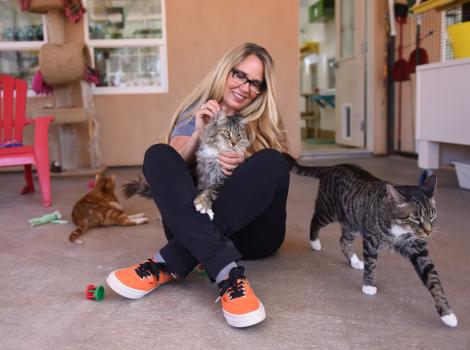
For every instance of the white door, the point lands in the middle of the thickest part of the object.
(350, 72)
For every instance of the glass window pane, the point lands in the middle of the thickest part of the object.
(21, 64)
(348, 28)
(124, 19)
(16, 25)
(136, 66)
(452, 16)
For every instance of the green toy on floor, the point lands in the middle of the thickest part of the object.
(53, 218)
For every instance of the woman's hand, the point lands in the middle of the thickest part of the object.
(207, 111)
(186, 145)
(229, 161)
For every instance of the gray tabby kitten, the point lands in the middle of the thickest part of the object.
(222, 134)
(387, 216)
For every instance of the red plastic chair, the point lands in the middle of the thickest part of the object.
(12, 120)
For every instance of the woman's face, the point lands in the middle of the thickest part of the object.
(236, 95)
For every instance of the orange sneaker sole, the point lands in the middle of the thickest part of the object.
(246, 320)
(124, 290)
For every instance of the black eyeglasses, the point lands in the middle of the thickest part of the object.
(240, 78)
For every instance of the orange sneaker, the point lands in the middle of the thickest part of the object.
(138, 280)
(240, 305)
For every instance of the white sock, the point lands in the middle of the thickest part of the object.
(159, 258)
(223, 274)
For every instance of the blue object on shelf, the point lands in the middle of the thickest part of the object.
(324, 100)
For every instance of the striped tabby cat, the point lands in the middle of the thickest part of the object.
(100, 207)
(387, 216)
(223, 133)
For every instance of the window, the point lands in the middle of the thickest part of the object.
(21, 36)
(127, 40)
(348, 28)
(449, 17)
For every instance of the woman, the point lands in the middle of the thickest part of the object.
(250, 211)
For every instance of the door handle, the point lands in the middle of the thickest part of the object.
(333, 63)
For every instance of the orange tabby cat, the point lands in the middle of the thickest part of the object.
(100, 207)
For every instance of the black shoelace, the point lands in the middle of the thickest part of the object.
(234, 284)
(149, 268)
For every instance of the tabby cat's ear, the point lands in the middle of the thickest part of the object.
(429, 185)
(221, 117)
(220, 114)
(394, 196)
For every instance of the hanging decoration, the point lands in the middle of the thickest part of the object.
(91, 75)
(74, 9)
(39, 86)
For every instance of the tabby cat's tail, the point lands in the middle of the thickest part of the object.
(139, 187)
(311, 171)
(76, 233)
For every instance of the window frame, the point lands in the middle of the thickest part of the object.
(161, 44)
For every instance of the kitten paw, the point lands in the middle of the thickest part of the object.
(140, 221)
(450, 320)
(203, 206)
(135, 216)
(370, 290)
(316, 245)
(356, 263)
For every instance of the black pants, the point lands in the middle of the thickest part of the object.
(250, 211)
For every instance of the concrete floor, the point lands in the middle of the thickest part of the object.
(313, 299)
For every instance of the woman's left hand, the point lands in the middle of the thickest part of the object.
(229, 161)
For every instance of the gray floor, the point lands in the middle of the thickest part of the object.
(313, 299)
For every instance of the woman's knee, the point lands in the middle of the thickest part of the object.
(259, 250)
(159, 156)
(273, 163)
(157, 152)
(273, 159)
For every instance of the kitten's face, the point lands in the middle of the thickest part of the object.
(417, 216)
(231, 133)
(415, 208)
(105, 184)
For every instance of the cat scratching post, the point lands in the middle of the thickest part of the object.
(62, 65)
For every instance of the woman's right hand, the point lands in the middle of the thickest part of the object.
(207, 111)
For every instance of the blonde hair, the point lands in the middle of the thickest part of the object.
(264, 128)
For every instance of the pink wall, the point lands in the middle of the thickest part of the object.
(198, 34)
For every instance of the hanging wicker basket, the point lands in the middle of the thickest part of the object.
(63, 64)
(42, 6)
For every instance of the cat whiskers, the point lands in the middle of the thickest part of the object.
(437, 230)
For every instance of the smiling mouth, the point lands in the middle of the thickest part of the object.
(238, 96)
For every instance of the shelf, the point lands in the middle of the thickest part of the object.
(324, 100)
(65, 115)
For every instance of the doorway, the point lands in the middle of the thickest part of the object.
(332, 77)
